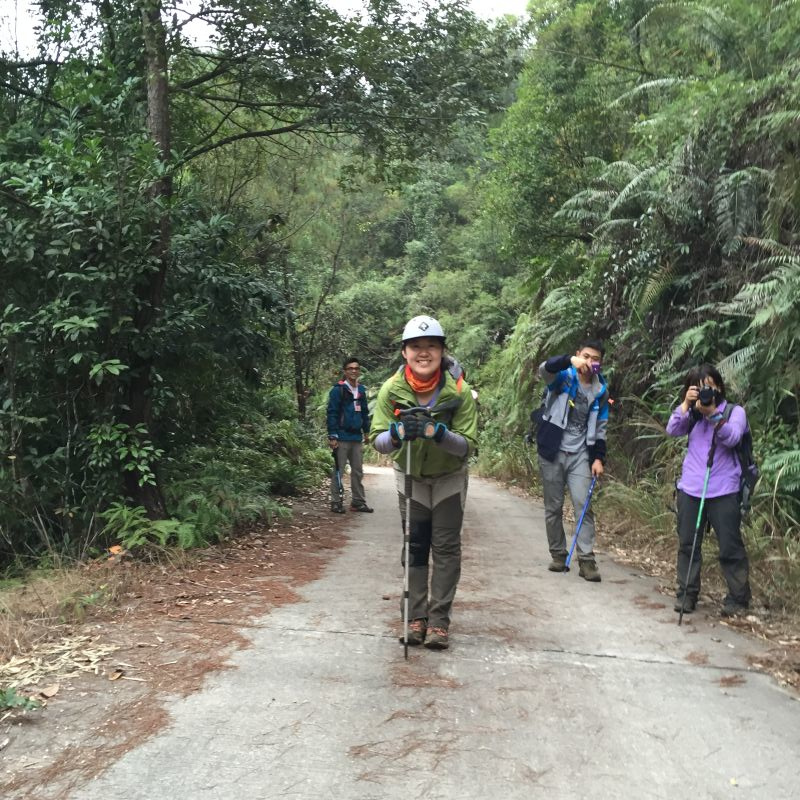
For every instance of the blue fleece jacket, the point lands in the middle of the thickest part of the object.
(348, 417)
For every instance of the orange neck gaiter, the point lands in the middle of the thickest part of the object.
(420, 386)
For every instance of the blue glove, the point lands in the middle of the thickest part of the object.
(396, 433)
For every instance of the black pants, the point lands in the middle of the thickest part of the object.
(724, 516)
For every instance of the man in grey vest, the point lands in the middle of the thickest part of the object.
(571, 442)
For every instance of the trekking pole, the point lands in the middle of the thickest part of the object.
(407, 547)
(580, 522)
(694, 542)
(699, 517)
(338, 475)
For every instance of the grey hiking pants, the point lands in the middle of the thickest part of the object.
(569, 470)
(724, 516)
(349, 451)
(437, 512)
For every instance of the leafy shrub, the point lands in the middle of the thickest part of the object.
(10, 699)
(132, 528)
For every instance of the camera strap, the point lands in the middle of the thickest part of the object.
(713, 448)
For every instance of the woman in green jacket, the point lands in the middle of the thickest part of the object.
(441, 436)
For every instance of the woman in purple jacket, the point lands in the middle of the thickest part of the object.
(700, 415)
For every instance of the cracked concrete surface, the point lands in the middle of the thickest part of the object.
(553, 688)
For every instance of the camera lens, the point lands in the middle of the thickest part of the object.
(706, 396)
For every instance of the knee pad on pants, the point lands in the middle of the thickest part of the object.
(420, 542)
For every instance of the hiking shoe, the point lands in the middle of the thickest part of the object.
(589, 572)
(689, 606)
(558, 564)
(337, 508)
(436, 639)
(365, 508)
(416, 632)
(730, 608)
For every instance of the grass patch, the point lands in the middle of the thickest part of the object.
(35, 607)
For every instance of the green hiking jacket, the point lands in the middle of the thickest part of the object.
(428, 460)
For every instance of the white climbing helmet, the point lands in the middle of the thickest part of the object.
(422, 325)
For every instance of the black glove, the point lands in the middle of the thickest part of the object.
(412, 426)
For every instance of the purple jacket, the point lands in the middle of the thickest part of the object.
(726, 470)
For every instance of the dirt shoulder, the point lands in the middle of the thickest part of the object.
(108, 681)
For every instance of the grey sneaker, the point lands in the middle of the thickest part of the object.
(337, 508)
(588, 571)
(436, 639)
(416, 632)
(558, 564)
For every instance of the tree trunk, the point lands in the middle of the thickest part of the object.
(151, 291)
(295, 344)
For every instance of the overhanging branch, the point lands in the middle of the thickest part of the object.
(238, 137)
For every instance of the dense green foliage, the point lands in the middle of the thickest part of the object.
(177, 300)
(180, 228)
(648, 178)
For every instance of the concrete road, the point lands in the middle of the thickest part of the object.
(552, 688)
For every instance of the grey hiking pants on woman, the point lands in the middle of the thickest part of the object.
(437, 512)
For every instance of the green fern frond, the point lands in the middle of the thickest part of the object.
(776, 123)
(589, 198)
(709, 26)
(751, 298)
(657, 282)
(737, 367)
(769, 245)
(647, 86)
(736, 205)
(689, 339)
(611, 225)
(784, 6)
(619, 169)
(594, 161)
(634, 184)
(785, 467)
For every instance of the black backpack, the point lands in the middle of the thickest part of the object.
(535, 420)
(749, 478)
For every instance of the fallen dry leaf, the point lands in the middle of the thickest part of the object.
(49, 691)
(116, 675)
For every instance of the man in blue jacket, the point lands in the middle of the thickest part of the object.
(571, 442)
(348, 426)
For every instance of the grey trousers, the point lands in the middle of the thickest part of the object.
(352, 452)
(724, 516)
(569, 470)
(437, 512)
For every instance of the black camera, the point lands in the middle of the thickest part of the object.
(706, 395)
